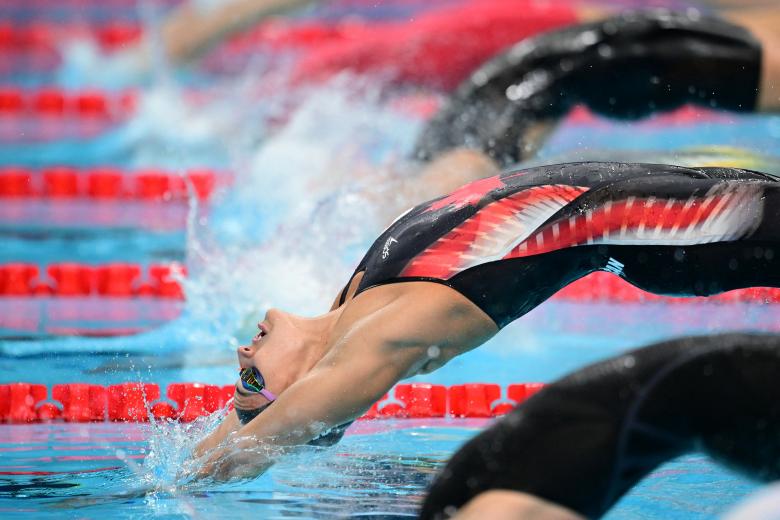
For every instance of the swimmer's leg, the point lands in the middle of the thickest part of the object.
(585, 440)
(626, 66)
(709, 268)
(699, 270)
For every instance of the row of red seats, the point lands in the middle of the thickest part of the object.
(58, 102)
(72, 279)
(603, 286)
(137, 402)
(105, 183)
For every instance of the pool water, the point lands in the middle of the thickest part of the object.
(308, 217)
(380, 469)
(377, 471)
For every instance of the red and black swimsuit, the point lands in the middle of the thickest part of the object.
(511, 241)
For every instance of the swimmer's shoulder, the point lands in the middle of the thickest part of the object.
(427, 312)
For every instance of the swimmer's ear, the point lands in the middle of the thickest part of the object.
(626, 66)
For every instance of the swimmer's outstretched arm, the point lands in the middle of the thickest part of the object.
(389, 340)
(338, 390)
(193, 29)
(228, 426)
(365, 362)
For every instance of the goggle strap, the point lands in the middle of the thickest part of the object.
(268, 395)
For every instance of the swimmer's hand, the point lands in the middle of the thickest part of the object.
(242, 458)
(333, 393)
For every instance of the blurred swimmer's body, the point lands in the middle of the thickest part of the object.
(422, 49)
(576, 447)
(450, 273)
(418, 50)
(625, 67)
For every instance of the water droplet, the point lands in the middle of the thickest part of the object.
(693, 13)
(589, 37)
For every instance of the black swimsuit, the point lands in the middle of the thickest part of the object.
(509, 242)
(585, 440)
(626, 66)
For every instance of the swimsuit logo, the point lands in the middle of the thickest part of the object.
(386, 248)
(614, 267)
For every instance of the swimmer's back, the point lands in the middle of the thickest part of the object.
(443, 240)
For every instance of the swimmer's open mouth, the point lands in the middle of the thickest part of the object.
(263, 331)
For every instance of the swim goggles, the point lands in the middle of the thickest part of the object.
(252, 381)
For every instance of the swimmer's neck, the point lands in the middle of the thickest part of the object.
(315, 339)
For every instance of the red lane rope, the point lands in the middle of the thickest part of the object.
(58, 102)
(73, 472)
(128, 280)
(602, 286)
(109, 280)
(137, 402)
(65, 182)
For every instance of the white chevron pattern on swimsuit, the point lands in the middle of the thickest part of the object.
(728, 211)
(737, 211)
(501, 233)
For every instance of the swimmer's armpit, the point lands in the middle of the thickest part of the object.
(626, 66)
